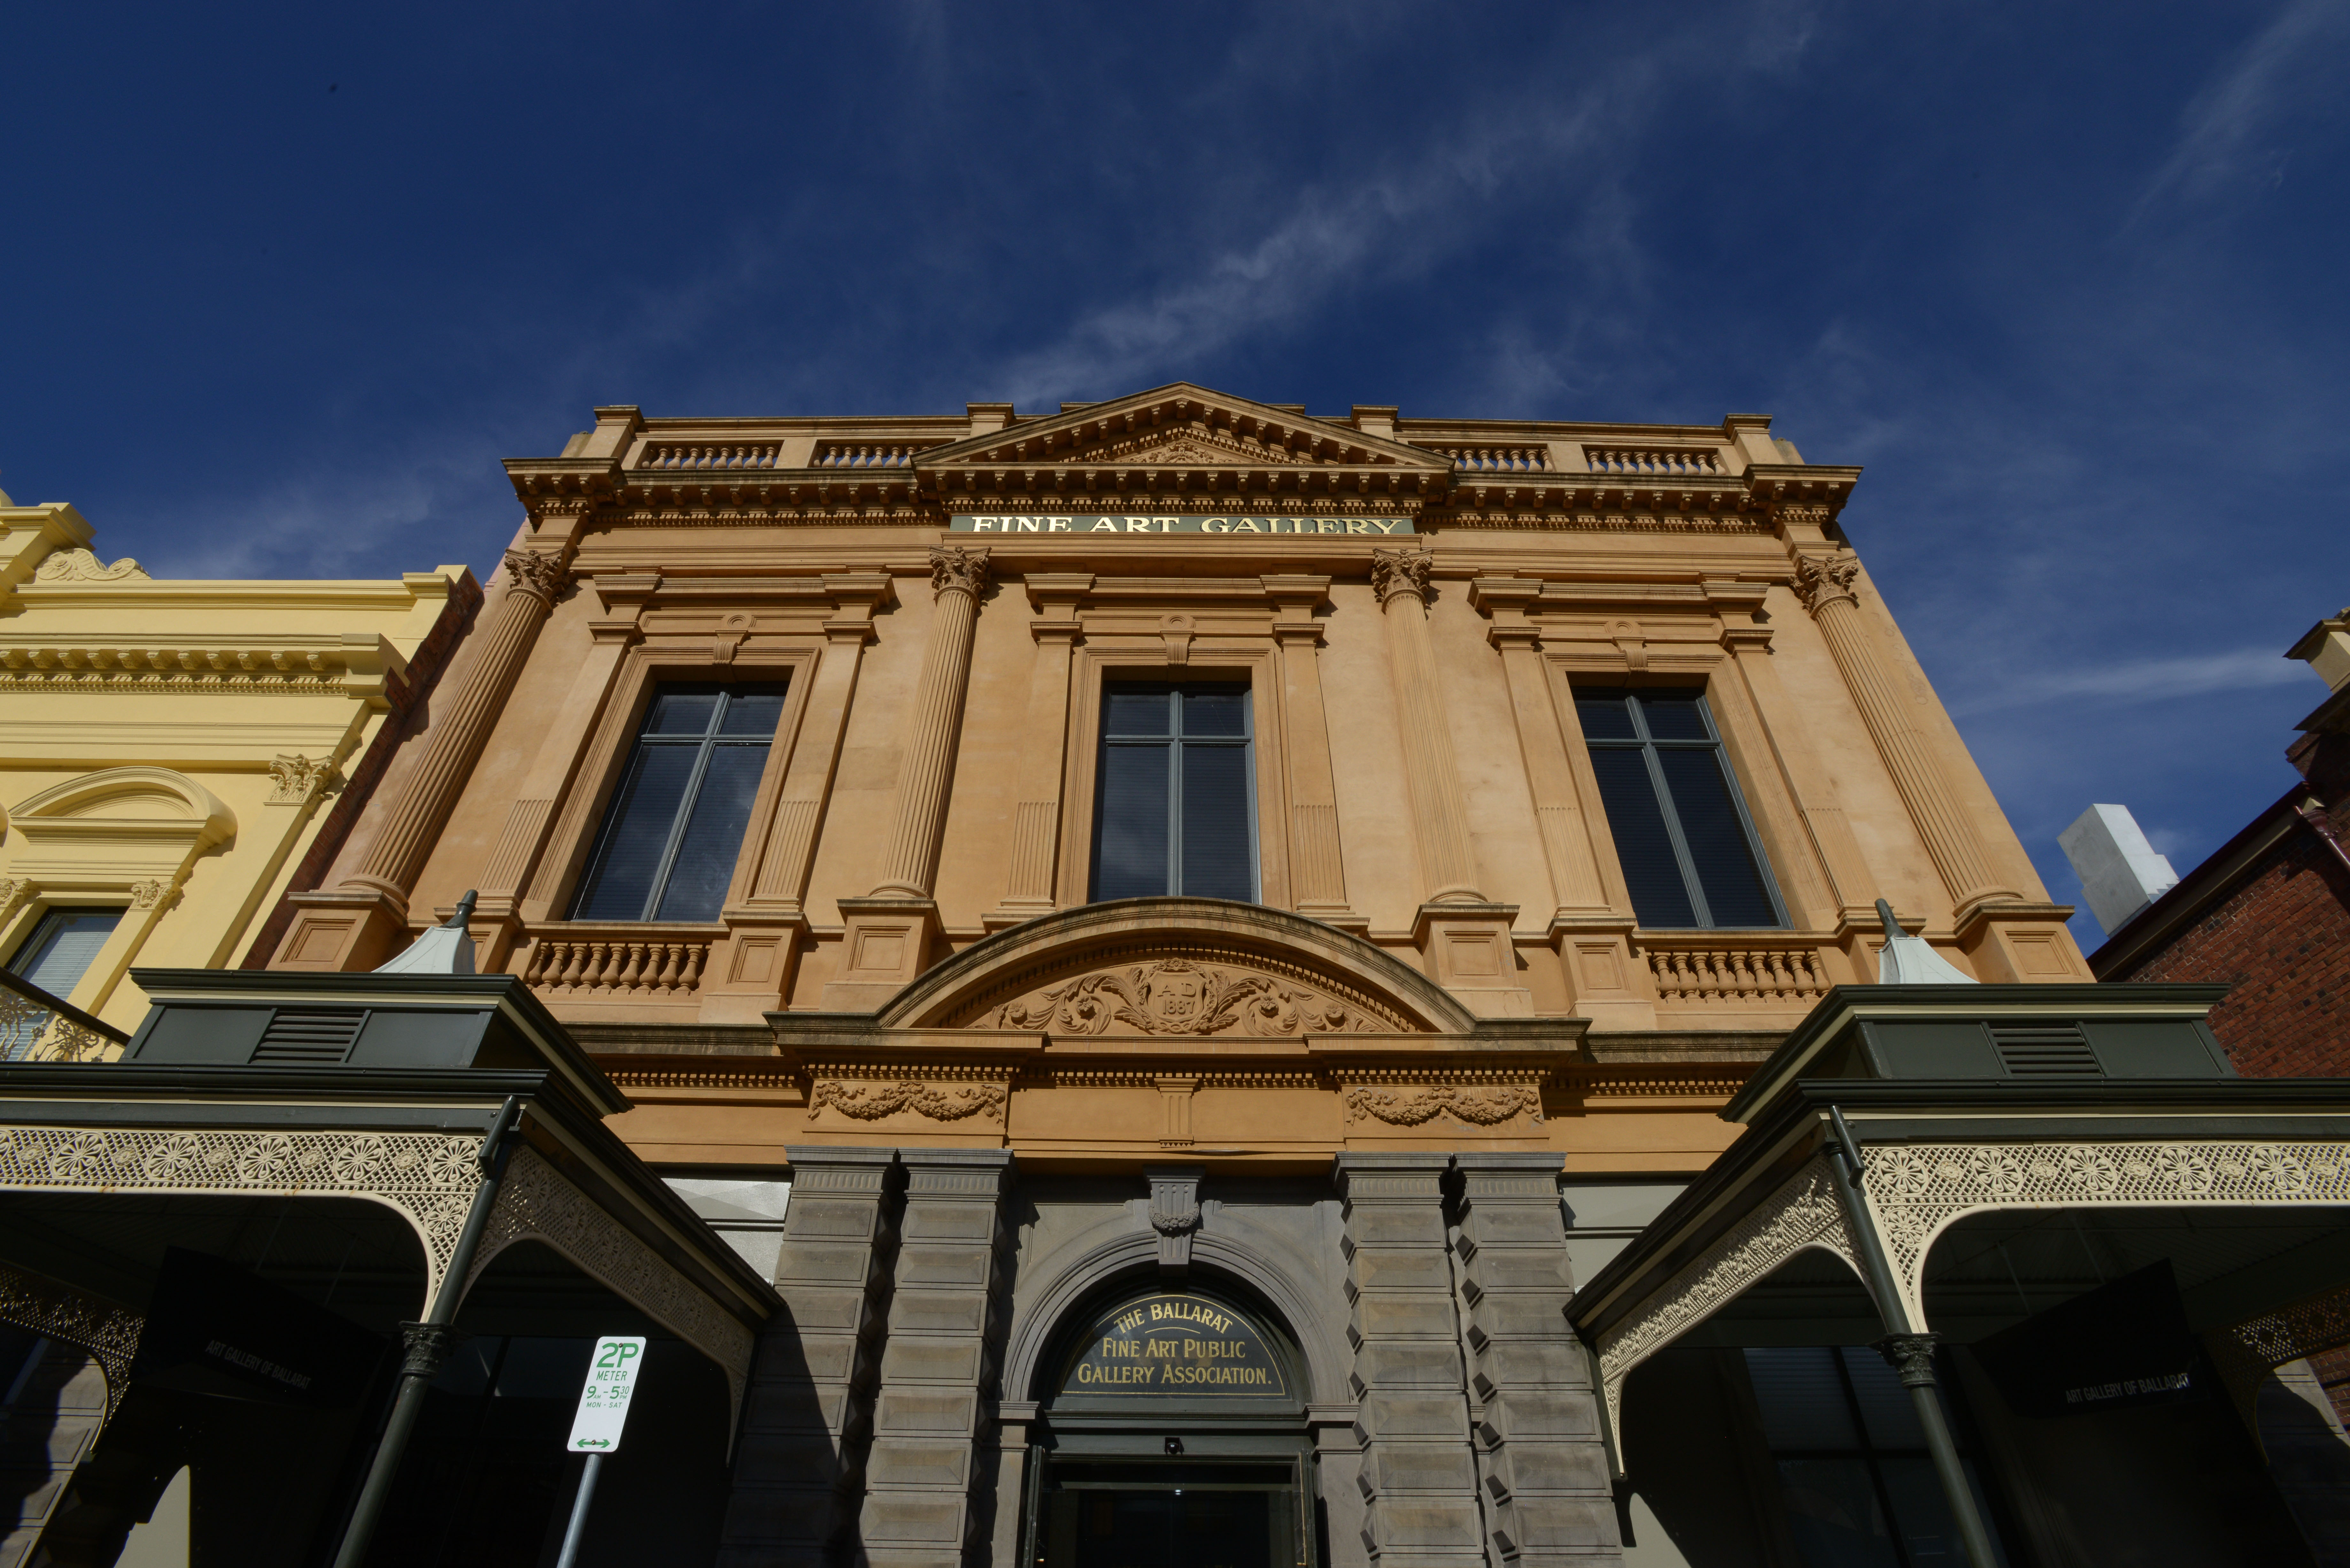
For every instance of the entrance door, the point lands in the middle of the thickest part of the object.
(1172, 1514)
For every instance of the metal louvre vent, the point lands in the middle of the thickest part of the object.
(310, 1036)
(2044, 1051)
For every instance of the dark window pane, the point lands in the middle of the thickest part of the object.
(1734, 894)
(714, 835)
(1131, 831)
(1801, 1400)
(1138, 713)
(1674, 716)
(1886, 1408)
(635, 833)
(1832, 1513)
(753, 711)
(1651, 870)
(1216, 859)
(1221, 712)
(1605, 717)
(679, 713)
(1923, 1516)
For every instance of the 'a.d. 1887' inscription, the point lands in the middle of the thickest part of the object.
(1176, 1346)
(1121, 525)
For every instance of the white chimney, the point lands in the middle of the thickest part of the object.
(2120, 872)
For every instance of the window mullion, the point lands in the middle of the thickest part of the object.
(691, 792)
(1697, 908)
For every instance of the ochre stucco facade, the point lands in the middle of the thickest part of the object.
(180, 749)
(1425, 802)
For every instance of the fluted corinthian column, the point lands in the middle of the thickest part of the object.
(353, 925)
(888, 934)
(959, 576)
(1825, 584)
(419, 812)
(1440, 813)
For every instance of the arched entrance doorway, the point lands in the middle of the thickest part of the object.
(1171, 1434)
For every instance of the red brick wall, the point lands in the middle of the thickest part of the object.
(2283, 940)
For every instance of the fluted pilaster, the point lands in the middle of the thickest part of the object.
(1826, 585)
(1439, 811)
(958, 577)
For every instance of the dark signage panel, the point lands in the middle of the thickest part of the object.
(1177, 1344)
(2126, 1343)
(216, 1327)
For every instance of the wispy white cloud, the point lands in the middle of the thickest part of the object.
(2225, 133)
(2143, 680)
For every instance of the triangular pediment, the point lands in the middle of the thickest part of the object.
(1181, 426)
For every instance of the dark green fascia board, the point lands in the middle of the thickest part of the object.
(503, 993)
(1906, 1109)
(1846, 1005)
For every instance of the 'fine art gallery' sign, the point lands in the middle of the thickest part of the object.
(1122, 526)
(1180, 1345)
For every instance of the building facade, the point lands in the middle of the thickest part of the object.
(1258, 990)
(175, 756)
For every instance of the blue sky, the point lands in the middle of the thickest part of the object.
(282, 286)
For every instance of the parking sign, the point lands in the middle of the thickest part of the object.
(604, 1402)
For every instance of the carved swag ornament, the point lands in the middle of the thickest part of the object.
(1176, 996)
(940, 1102)
(1484, 1105)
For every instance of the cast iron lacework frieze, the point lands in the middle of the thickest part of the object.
(107, 1332)
(1802, 1213)
(535, 1203)
(427, 1178)
(1918, 1190)
(1176, 996)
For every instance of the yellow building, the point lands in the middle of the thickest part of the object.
(175, 756)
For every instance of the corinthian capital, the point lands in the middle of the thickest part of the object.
(537, 572)
(956, 569)
(1397, 572)
(1820, 581)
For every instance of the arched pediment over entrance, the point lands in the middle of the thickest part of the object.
(1177, 967)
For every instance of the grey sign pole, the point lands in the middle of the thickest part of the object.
(1910, 1352)
(578, 1525)
(427, 1343)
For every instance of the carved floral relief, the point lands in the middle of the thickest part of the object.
(1484, 1105)
(939, 1102)
(1176, 996)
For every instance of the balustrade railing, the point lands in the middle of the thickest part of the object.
(626, 963)
(867, 454)
(710, 456)
(36, 1027)
(1660, 462)
(1702, 972)
(1499, 459)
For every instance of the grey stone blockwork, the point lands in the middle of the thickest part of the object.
(1544, 1468)
(1446, 1404)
